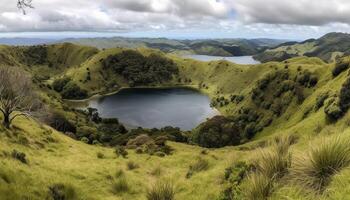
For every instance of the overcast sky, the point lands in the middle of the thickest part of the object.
(288, 19)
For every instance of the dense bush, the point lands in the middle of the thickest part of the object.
(340, 66)
(332, 109)
(35, 55)
(59, 122)
(217, 132)
(139, 69)
(320, 100)
(73, 91)
(68, 89)
(59, 84)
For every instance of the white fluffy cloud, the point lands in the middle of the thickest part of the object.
(246, 17)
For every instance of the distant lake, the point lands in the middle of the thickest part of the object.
(156, 107)
(244, 60)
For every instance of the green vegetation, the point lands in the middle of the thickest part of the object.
(328, 48)
(162, 190)
(140, 70)
(259, 147)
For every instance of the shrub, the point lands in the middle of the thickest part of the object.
(340, 66)
(332, 109)
(131, 165)
(59, 84)
(217, 132)
(322, 161)
(85, 140)
(121, 185)
(320, 100)
(120, 151)
(62, 192)
(73, 91)
(163, 190)
(344, 97)
(19, 156)
(59, 122)
(200, 165)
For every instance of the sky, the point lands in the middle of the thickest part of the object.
(181, 19)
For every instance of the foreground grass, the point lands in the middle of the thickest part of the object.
(56, 159)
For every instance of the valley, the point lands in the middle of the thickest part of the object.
(275, 116)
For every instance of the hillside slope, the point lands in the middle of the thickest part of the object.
(289, 95)
(327, 48)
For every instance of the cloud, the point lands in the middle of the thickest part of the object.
(300, 12)
(231, 17)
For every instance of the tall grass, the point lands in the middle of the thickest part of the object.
(163, 190)
(323, 160)
(257, 187)
(121, 185)
(271, 165)
(198, 166)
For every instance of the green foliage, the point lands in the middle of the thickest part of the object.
(35, 55)
(234, 176)
(332, 109)
(316, 167)
(320, 100)
(62, 192)
(216, 132)
(59, 84)
(59, 121)
(73, 91)
(340, 66)
(162, 190)
(141, 70)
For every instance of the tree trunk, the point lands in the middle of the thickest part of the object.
(6, 121)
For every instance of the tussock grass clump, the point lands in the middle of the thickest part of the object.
(121, 185)
(325, 159)
(274, 163)
(163, 190)
(257, 187)
(100, 155)
(156, 171)
(19, 156)
(200, 165)
(131, 165)
(62, 192)
(119, 173)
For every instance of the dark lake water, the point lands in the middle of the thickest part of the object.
(244, 60)
(155, 108)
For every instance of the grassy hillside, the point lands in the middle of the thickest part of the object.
(306, 153)
(327, 48)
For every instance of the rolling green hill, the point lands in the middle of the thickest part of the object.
(326, 48)
(288, 121)
(214, 47)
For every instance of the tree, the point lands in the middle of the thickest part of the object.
(23, 4)
(16, 95)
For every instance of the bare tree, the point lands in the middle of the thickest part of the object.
(17, 97)
(24, 4)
